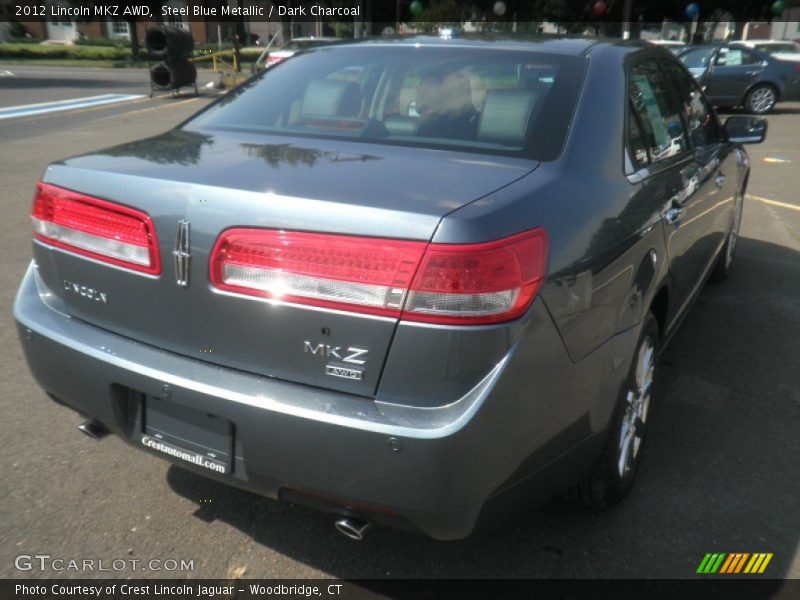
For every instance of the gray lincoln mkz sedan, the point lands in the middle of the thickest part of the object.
(418, 282)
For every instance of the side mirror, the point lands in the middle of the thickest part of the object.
(746, 130)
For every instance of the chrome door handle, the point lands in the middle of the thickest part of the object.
(753, 72)
(719, 180)
(673, 215)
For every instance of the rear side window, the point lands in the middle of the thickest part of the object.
(518, 103)
(654, 102)
(735, 57)
(697, 113)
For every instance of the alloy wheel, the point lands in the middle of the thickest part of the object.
(636, 407)
(762, 100)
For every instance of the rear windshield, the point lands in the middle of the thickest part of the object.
(477, 100)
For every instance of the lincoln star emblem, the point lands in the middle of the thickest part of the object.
(182, 254)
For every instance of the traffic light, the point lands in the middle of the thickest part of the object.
(172, 47)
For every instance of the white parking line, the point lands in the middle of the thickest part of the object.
(774, 202)
(27, 110)
(6, 73)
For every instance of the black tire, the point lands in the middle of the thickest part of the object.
(607, 483)
(722, 268)
(761, 99)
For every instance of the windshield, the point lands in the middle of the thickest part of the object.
(787, 48)
(473, 99)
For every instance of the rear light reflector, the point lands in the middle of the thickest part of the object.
(333, 271)
(437, 283)
(95, 228)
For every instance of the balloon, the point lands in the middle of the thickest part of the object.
(599, 8)
(416, 8)
(499, 8)
(778, 7)
(692, 10)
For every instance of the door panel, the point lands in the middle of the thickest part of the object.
(704, 203)
(733, 72)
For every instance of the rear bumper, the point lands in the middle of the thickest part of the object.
(530, 427)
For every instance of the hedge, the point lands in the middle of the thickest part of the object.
(50, 52)
(105, 42)
(83, 52)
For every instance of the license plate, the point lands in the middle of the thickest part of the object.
(174, 451)
(187, 434)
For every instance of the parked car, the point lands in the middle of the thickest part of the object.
(418, 282)
(782, 49)
(733, 75)
(674, 46)
(296, 45)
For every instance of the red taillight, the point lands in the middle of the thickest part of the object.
(478, 283)
(437, 283)
(95, 228)
(334, 271)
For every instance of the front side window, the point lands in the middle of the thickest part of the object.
(697, 113)
(653, 100)
(735, 57)
(472, 99)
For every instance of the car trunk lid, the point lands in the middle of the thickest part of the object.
(195, 185)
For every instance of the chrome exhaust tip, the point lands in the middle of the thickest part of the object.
(355, 529)
(93, 429)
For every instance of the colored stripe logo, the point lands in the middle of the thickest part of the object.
(734, 563)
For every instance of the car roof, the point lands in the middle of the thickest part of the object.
(748, 42)
(314, 39)
(575, 45)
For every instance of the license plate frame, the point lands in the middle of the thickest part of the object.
(187, 434)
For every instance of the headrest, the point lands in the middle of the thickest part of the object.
(440, 94)
(328, 98)
(506, 116)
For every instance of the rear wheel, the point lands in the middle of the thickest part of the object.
(611, 477)
(761, 99)
(722, 268)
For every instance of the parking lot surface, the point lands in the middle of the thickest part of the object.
(720, 472)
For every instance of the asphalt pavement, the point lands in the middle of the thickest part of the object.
(720, 471)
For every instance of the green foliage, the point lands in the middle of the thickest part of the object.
(438, 13)
(54, 51)
(25, 40)
(106, 42)
(343, 29)
(211, 47)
